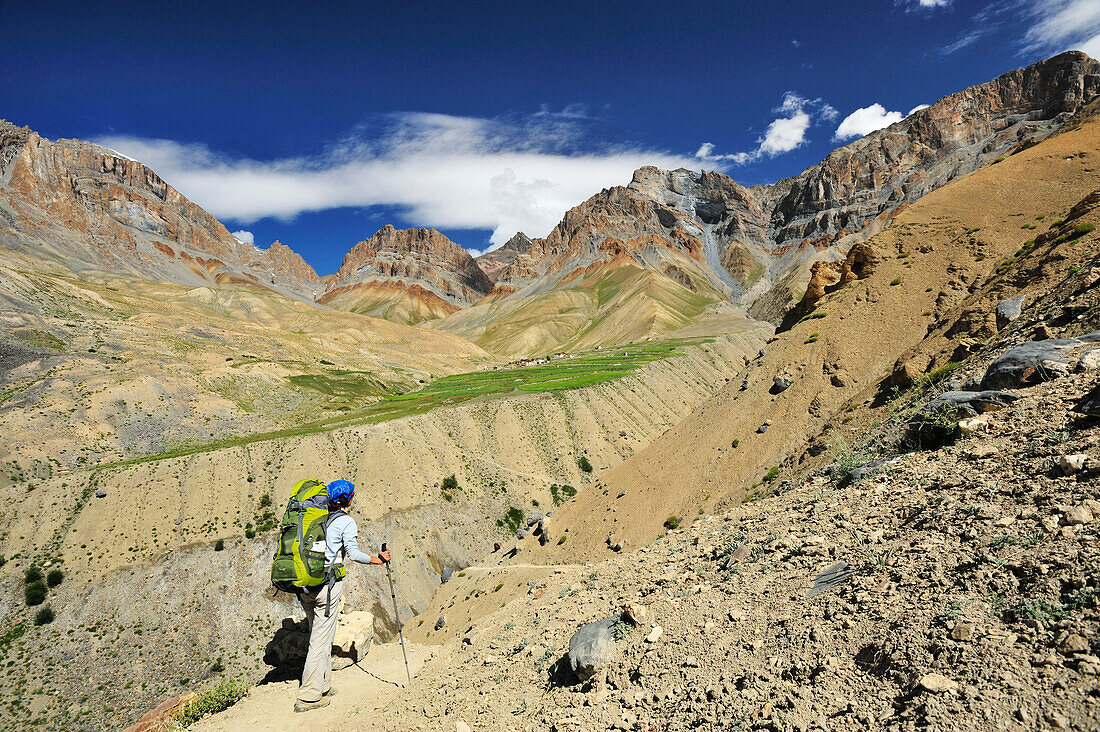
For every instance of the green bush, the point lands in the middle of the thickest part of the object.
(813, 337)
(772, 474)
(512, 519)
(44, 616)
(35, 593)
(450, 483)
(562, 539)
(213, 700)
(32, 574)
(1082, 229)
(583, 464)
(3, 561)
(265, 501)
(249, 532)
(219, 545)
(896, 281)
(672, 522)
(998, 160)
(561, 493)
(53, 579)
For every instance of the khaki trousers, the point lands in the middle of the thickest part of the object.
(317, 675)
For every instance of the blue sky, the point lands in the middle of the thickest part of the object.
(317, 126)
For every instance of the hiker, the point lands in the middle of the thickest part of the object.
(322, 602)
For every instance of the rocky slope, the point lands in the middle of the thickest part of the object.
(95, 209)
(756, 244)
(921, 276)
(410, 274)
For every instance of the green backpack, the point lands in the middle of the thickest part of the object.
(299, 560)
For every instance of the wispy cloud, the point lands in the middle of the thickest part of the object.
(514, 174)
(1061, 25)
(912, 6)
(784, 134)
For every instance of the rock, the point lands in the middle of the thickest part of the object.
(1008, 310)
(162, 716)
(634, 613)
(1077, 516)
(840, 379)
(441, 622)
(534, 519)
(654, 634)
(763, 428)
(1070, 464)
(868, 469)
(691, 662)
(962, 631)
(592, 646)
(1089, 404)
(908, 370)
(521, 534)
(972, 425)
(1074, 643)
(461, 726)
(449, 571)
(980, 452)
(1090, 360)
(101, 493)
(1034, 361)
(621, 494)
(971, 403)
(937, 683)
(780, 384)
(354, 632)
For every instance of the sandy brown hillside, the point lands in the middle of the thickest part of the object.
(939, 250)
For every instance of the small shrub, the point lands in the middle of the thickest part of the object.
(672, 522)
(3, 561)
(1072, 270)
(32, 574)
(1082, 229)
(562, 539)
(1056, 222)
(212, 701)
(12, 634)
(735, 443)
(561, 493)
(998, 160)
(265, 501)
(772, 474)
(44, 616)
(35, 593)
(975, 230)
(53, 579)
(621, 629)
(512, 519)
(498, 587)
(896, 281)
(219, 545)
(450, 484)
(249, 532)
(813, 337)
(583, 464)
(449, 497)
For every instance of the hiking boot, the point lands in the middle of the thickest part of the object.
(304, 706)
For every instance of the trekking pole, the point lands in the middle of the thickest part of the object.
(397, 618)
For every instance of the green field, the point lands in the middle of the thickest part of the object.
(575, 372)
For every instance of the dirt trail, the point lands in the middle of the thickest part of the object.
(363, 693)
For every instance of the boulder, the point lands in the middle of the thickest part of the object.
(449, 571)
(1089, 404)
(101, 493)
(162, 717)
(591, 647)
(1032, 362)
(1070, 464)
(1008, 310)
(780, 384)
(534, 519)
(972, 403)
(354, 632)
(655, 634)
(441, 623)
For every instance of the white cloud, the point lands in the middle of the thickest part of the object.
(866, 120)
(784, 134)
(913, 6)
(934, 3)
(1061, 25)
(245, 237)
(507, 175)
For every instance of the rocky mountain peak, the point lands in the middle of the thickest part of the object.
(422, 257)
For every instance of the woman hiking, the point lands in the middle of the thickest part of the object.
(322, 602)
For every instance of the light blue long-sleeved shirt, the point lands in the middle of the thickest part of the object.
(343, 532)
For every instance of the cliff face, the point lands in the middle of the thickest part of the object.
(96, 209)
(758, 243)
(421, 258)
